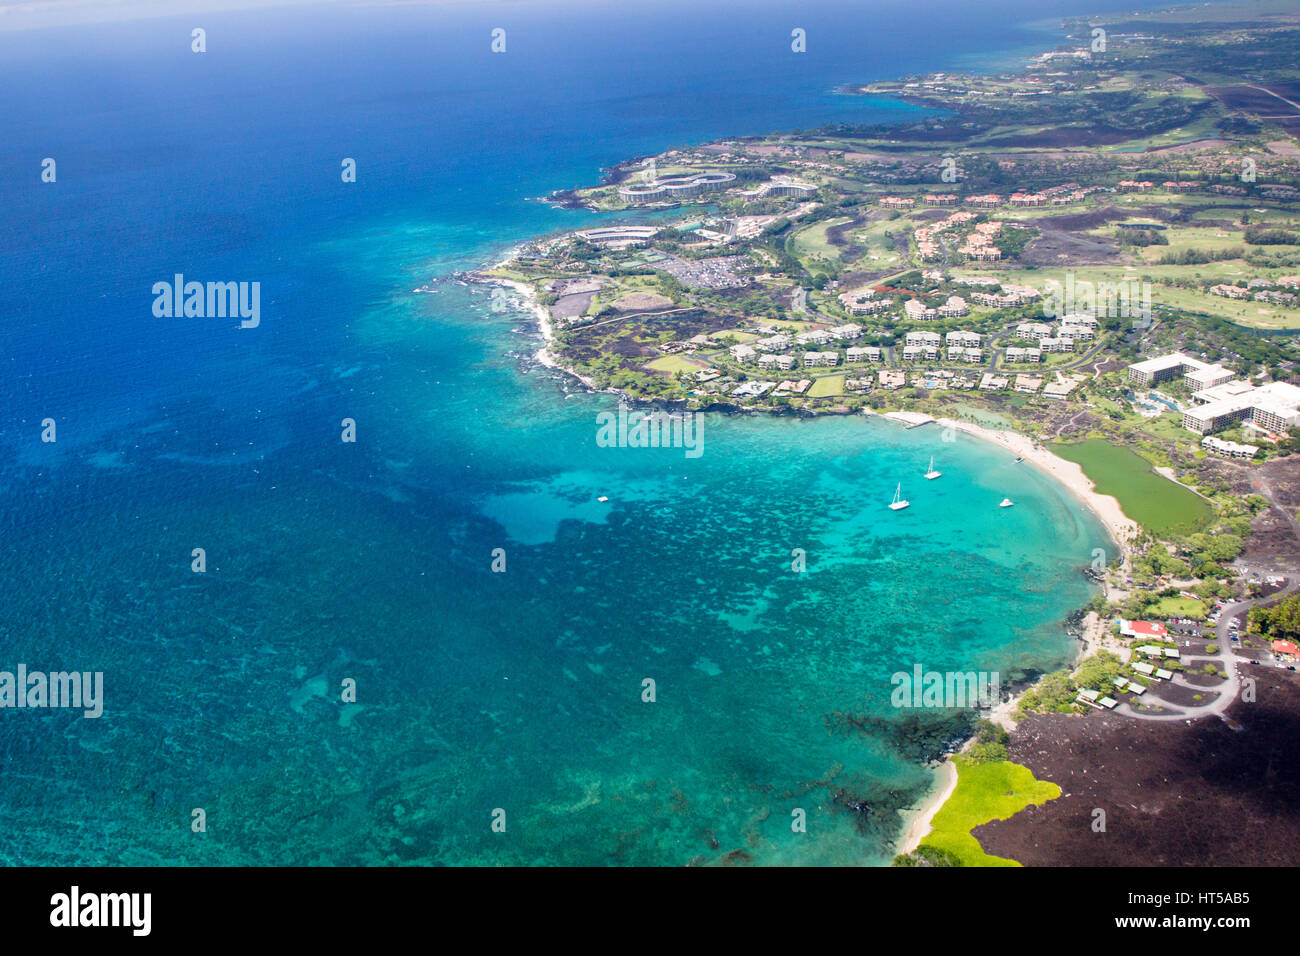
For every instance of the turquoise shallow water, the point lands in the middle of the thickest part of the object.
(519, 690)
(371, 561)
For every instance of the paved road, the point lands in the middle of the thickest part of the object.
(1276, 96)
(799, 300)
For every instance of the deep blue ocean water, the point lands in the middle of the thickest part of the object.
(371, 561)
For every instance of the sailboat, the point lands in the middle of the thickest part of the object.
(932, 474)
(899, 504)
(1006, 503)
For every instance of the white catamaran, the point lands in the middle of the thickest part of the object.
(899, 504)
(932, 474)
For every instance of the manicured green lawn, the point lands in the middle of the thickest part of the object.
(985, 792)
(1161, 506)
(810, 244)
(1179, 607)
(824, 387)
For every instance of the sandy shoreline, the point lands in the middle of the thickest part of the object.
(919, 825)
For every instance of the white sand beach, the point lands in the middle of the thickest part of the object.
(920, 823)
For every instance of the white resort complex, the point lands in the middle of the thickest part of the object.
(675, 187)
(1220, 398)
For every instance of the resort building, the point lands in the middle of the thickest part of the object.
(1279, 411)
(862, 354)
(1164, 368)
(1033, 330)
(1026, 293)
(743, 354)
(620, 237)
(954, 308)
(778, 186)
(917, 311)
(1060, 388)
(924, 338)
(964, 339)
(1230, 291)
(821, 358)
(752, 389)
(793, 388)
(1017, 354)
(773, 343)
(1208, 377)
(918, 353)
(980, 253)
(893, 379)
(815, 337)
(1228, 449)
(960, 353)
(675, 187)
(862, 302)
(1273, 408)
(846, 332)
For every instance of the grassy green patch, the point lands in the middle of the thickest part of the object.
(985, 792)
(811, 246)
(1178, 607)
(1159, 505)
(825, 387)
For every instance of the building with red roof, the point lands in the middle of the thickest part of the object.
(1146, 629)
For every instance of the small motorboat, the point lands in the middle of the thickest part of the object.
(1006, 503)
